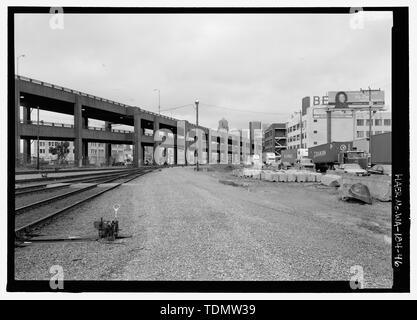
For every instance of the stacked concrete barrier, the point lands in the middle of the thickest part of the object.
(301, 176)
(279, 176)
(311, 177)
(318, 176)
(275, 176)
(283, 177)
(291, 177)
(268, 176)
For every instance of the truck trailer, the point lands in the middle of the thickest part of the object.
(326, 156)
(381, 148)
(289, 156)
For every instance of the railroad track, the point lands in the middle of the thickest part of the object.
(24, 182)
(63, 183)
(34, 214)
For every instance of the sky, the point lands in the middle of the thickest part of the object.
(241, 67)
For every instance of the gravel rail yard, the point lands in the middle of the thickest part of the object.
(185, 225)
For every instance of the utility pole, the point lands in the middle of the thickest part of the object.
(37, 164)
(196, 121)
(301, 128)
(369, 90)
(17, 62)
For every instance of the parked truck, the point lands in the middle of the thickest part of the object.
(327, 156)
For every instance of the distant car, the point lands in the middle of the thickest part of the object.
(119, 164)
(353, 168)
(381, 169)
(304, 164)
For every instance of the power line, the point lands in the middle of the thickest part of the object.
(242, 110)
(179, 107)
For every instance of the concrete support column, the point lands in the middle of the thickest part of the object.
(107, 147)
(26, 142)
(137, 140)
(17, 121)
(180, 143)
(329, 126)
(85, 152)
(107, 153)
(155, 129)
(27, 150)
(78, 129)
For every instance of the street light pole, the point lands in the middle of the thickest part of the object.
(37, 164)
(159, 100)
(370, 113)
(17, 62)
(301, 129)
(196, 121)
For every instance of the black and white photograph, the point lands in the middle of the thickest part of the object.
(207, 149)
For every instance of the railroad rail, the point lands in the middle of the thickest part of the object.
(56, 178)
(65, 182)
(35, 214)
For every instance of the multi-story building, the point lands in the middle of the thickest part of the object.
(315, 125)
(223, 125)
(275, 138)
(44, 148)
(255, 133)
(96, 152)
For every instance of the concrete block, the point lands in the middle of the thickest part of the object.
(301, 176)
(331, 180)
(311, 177)
(282, 177)
(268, 175)
(291, 177)
(379, 186)
(274, 176)
(318, 176)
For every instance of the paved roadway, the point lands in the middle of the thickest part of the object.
(187, 226)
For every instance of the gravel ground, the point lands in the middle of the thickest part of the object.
(186, 225)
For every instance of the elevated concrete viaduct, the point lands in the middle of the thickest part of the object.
(32, 94)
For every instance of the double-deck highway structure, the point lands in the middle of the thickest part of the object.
(149, 128)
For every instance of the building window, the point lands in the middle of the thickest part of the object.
(378, 132)
(315, 120)
(378, 122)
(41, 150)
(315, 131)
(359, 134)
(387, 122)
(359, 122)
(367, 122)
(315, 142)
